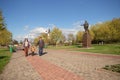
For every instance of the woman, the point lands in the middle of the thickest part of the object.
(26, 46)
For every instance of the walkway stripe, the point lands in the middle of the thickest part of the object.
(49, 71)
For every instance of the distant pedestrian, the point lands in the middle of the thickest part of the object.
(41, 45)
(26, 46)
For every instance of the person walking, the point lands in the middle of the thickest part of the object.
(41, 45)
(26, 46)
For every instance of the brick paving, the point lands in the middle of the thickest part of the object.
(60, 65)
(19, 69)
(50, 71)
(87, 65)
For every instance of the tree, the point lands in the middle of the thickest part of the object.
(92, 35)
(2, 23)
(100, 32)
(79, 36)
(114, 27)
(5, 35)
(71, 38)
(36, 40)
(107, 31)
(15, 42)
(21, 42)
(56, 36)
(45, 37)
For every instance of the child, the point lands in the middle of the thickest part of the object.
(33, 49)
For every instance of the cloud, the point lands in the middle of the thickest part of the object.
(78, 25)
(31, 34)
(68, 31)
(26, 27)
(51, 25)
(100, 22)
(19, 37)
(36, 31)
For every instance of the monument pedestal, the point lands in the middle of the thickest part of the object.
(86, 41)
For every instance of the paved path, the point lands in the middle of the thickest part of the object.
(61, 65)
(50, 71)
(19, 69)
(84, 64)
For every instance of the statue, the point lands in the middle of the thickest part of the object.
(86, 41)
(86, 25)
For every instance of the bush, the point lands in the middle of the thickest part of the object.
(114, 68)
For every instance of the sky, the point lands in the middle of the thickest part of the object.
(29, 18)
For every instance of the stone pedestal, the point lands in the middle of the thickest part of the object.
(86, 41)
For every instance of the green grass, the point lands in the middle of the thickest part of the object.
(61, 47)
(105, 49)
(4, 58)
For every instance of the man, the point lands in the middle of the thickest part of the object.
(41, 46)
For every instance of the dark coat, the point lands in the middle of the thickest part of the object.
(41, 43)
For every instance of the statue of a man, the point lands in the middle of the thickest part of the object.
(86, 25)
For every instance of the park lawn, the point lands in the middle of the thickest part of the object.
(61, 47)
(95, 48)
(5, 56)
(105, 49)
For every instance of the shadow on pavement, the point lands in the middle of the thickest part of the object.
(44, 53)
